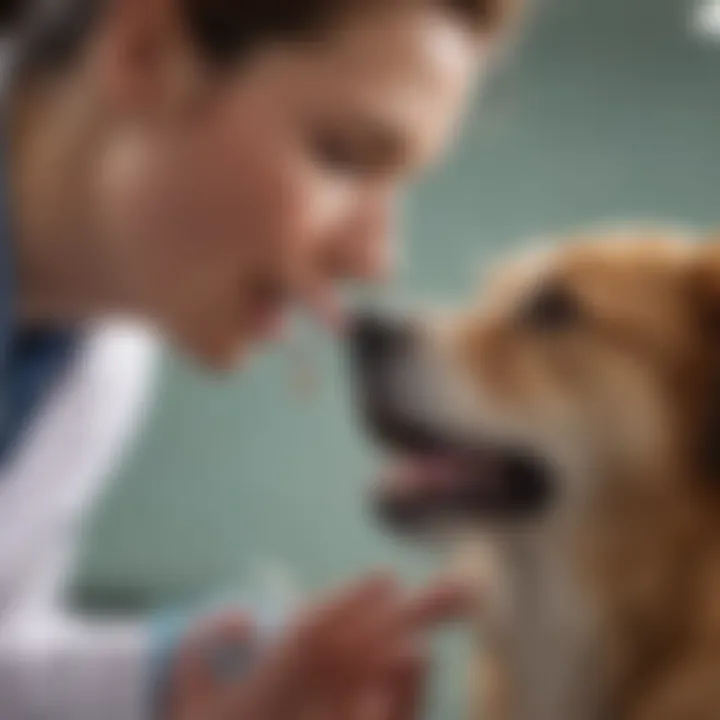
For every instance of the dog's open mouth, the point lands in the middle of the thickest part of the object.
(454, 482)
(436, 474)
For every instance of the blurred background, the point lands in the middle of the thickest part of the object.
(609, 110)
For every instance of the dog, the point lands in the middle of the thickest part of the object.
(562, 433)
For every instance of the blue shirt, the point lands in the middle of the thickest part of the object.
(31, 359)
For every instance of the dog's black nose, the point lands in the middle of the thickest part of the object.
(376, 338)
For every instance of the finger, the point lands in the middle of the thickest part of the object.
(352, 626)
(395, 632)
(397, 693)
(275, 688)
(374, 639)
(326, 652)
(370, 704)
(233, 626)
(229, 648)
(440, 603)
(347, 706)
(371, 631)
(379, 586)
(406, 689)
(196, 676)
(371, 594)
(367, 614)
(190, 687)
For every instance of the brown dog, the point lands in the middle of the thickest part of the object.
(569, 424)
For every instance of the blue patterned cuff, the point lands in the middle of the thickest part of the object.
(229, 662)
(167, 632)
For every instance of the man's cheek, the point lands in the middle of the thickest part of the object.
(292, 230)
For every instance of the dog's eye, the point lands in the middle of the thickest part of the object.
(551, 308)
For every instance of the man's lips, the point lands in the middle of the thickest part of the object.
(268, 323)
(271, 306)
(325, 306)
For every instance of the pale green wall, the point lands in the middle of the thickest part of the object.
(611, 110)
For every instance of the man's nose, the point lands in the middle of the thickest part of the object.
(368, 252)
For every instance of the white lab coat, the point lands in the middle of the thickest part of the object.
(55, 665)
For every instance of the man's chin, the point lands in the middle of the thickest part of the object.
(226, 349)
(216, 354)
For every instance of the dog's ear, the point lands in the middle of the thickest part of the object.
(704, 290)
(704, 287)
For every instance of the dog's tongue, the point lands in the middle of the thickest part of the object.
(421, 474)
(431, 477)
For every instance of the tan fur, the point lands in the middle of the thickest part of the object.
(627, 395)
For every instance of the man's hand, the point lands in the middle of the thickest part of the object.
(357, 656)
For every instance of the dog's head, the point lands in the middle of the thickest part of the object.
(587, 369)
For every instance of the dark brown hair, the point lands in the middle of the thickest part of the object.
(223, 30)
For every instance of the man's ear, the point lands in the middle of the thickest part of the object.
(144, 55)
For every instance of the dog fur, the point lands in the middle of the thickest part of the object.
(607, 606)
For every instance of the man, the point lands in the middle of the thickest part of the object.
(200, 167)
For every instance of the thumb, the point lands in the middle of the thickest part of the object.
(200, 673)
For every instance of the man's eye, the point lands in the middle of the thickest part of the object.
(551, 308)
(340, 155)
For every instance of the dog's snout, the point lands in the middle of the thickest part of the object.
(386, 355)
(376, 338)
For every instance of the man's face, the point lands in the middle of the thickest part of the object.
(279, 181)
